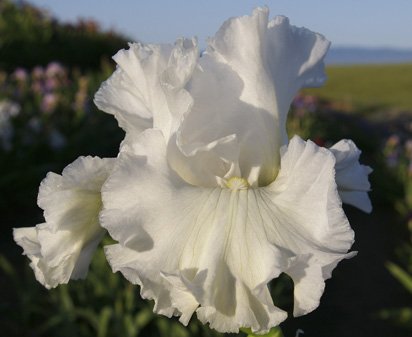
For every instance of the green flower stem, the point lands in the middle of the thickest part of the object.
(274, 332)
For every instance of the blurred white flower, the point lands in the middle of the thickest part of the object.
(61, 248)
(8, 110)
(57, 140)
(35, 124)
(351, 176)
(208, 199)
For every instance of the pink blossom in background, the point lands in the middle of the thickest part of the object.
(37, 73)
(49, 103)
(20, 74)
(55, 69)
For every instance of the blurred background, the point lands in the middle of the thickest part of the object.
(55, 54)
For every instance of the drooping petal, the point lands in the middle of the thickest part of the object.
(71, 199)
(146, 89)
(182, 247)
(62, 248)
(72, 258)
(246, 81)
(351, 176)
(304, 199)
(213, 250)
(27, 239)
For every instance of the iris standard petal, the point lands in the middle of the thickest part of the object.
(244, 85)
(240, 89)
(145, 90)
(61, 248)
(117, 97)
(351, 176)
(213, 250)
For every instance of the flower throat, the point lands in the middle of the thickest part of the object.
(237, 183)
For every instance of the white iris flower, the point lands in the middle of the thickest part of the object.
(208, 199)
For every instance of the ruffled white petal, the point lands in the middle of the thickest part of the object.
(73, 198)
(307, 204)
(233, 100)
(61, 248)
(244, 85)
(56, 257)
(116, 98)
(213, 250)
(146, 89)
(205, 165)
(351, 176)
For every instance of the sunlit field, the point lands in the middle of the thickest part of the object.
(48, 119)
(369, 86)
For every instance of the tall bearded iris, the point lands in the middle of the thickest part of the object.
(208, 198)
(212, 201)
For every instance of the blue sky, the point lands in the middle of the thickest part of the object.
(367, 23)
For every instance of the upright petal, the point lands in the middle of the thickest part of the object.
(351, 176)
(298, 65)
(62, 248)
(277, 60)
(117, 98)
(145, 90)
(128, 93)
(244, 85)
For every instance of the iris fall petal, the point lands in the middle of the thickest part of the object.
(213, 250)
(61, 248)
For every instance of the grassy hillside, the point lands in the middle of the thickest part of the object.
(363, 86)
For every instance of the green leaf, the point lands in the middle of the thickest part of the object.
(400, 316)
(7, 268)
(401, 275)
(104, 320)
(143, 318)
(274, 332)
(88, 315)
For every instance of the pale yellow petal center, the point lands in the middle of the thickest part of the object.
(237, 183)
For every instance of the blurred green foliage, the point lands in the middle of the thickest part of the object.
(28, 37)
(402, 271)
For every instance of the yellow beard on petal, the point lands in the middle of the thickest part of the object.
(237, 183)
